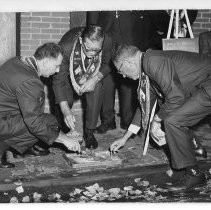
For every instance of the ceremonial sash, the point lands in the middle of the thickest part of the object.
(78, 73)
(144, 99)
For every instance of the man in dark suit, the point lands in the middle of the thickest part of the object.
(144, 29)
(87, 52)
(22, 99)
(205, 43)
(181, 83)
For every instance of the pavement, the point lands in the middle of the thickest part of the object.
(54, 169)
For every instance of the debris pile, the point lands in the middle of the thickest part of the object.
(141, 189)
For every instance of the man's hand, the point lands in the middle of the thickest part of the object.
(89, 85)
(115, 146)
(155, 130)
(71, 144)
(69, 118)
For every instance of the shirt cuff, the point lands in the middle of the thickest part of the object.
(134, 128)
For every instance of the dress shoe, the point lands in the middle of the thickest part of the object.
(192, 178)
(90, 141)
(103, 128)
(36, 151)
(38, 148)
(4, 163)
(199, 150)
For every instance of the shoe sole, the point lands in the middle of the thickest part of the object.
(7, 166)
(188, 189)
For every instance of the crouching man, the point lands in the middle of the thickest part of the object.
(22, 119)
(181, 82)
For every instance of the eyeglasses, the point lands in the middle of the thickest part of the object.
(90, 50)
(119, 69)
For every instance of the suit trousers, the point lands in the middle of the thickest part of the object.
(15, 134)
(107, 112)
(177, 123)
(93, 102)
(127, 98)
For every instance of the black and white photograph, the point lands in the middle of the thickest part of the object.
(105, 102)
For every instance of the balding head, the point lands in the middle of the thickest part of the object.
(123, 52)
(126, 59)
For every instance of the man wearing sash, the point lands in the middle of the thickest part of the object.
(181, 83)
(87, 51)
(22, 99)
(139, 28)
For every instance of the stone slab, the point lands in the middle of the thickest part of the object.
(96, 159)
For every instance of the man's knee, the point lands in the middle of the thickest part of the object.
(172, 119)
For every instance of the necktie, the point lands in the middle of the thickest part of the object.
(144, 99)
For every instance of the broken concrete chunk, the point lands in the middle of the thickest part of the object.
(14, 200)
(93, 188)
(137, 180)
(114, 190)
(144, 183)
(26, 199)
(36, 197)
(138, 192)
(169, 173)
(151, 193)
(77, 191)
(56, 196)
(128, 188)
(83, 199)
(19, 189)
(89, 194)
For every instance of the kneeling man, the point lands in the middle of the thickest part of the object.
(22, 118)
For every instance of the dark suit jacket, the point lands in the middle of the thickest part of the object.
(22, 100)
(61, 81)
(139, 28)
(176, 75)
(205, 43)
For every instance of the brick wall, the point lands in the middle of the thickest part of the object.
(202, 22)
(40, 27)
